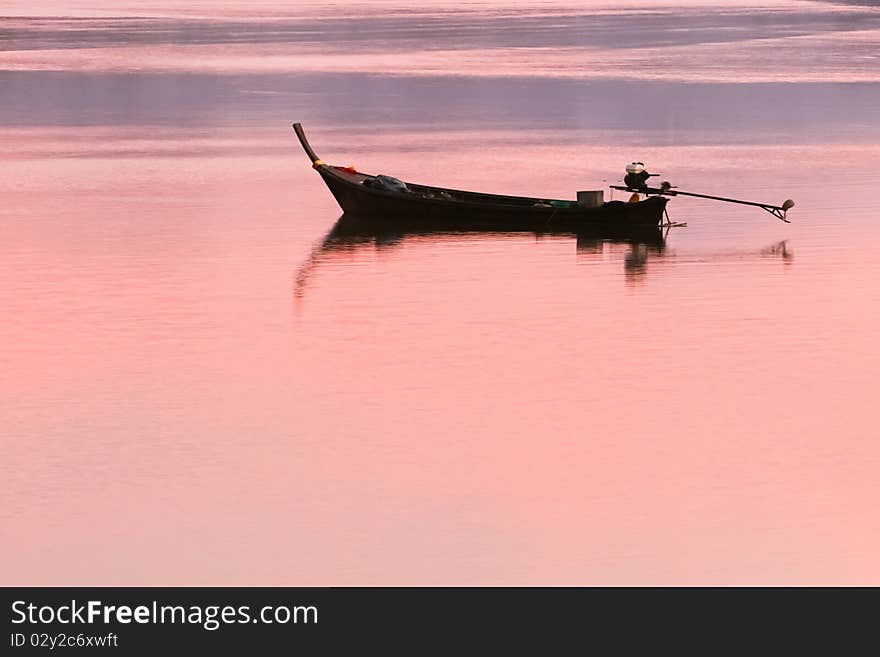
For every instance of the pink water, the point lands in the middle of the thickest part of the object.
(194, 389)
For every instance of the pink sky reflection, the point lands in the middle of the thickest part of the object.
(177, 417)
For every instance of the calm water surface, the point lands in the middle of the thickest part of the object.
(197, 388)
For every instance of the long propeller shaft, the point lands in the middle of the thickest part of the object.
(778, 211)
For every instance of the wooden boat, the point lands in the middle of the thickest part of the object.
(437, 208)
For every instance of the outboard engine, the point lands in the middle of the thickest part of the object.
(636, 175)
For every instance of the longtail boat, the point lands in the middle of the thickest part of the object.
(396, 203)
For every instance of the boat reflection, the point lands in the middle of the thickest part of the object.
(634, 248)
(351, 233)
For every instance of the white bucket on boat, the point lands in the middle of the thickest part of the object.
(591, 199)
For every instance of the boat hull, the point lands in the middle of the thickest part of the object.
(467, 211)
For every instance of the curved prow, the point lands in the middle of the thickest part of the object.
(298, 129)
